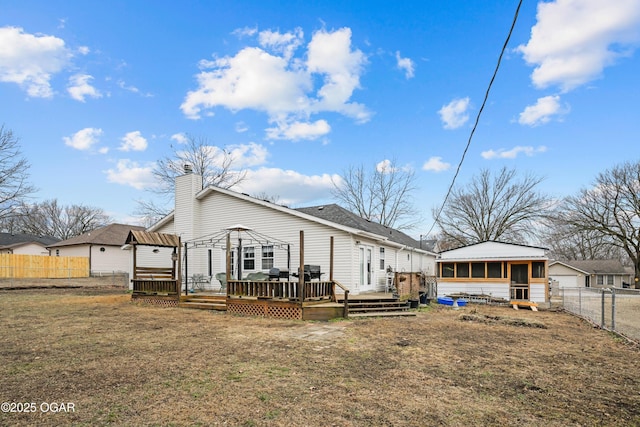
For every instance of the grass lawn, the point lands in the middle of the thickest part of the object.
(120, 363)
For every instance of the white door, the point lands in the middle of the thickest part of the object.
(366, 268)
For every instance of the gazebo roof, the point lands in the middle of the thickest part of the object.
(148, 238)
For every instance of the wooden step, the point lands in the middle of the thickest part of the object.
(383, 314)
(369, 309)
(377, 304)
(203, 305)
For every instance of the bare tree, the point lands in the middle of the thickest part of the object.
(48, 218)
(503, 207)
(567, 242)
(215, 165)
(610, 209)
(14, 175)
(383, 195)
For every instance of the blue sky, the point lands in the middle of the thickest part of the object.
(299, 91)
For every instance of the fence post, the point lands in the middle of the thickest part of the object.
(580, 301)
(602, 309)
(613, 309)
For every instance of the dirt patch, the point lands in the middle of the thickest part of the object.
(122, 363)
(483, 318)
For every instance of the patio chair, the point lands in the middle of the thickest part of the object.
(222, 278)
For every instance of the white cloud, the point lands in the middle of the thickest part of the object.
(180, 138)
(299, 130)
(133, 89)
(454, 114)
(248, 155)
(514, 152)
(79, 87)
(83, 139)
(241, 127)
(543, 111)
(84, 50)
(133, 174)
(405, 64)
(291, 187)
(574, 40)
(31, 60)
(281, 85)
(133, 141)
(435, 164)
(285, 43)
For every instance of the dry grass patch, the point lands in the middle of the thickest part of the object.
(122, 363)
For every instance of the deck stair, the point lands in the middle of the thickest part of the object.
(203, 302)
(377, 305)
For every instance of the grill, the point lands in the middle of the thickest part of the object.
(277, 274)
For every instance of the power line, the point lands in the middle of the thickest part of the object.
(473, 130)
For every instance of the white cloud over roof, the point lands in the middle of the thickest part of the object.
(133, 174)
(574, 40)
(31, 60)
(271, 79)
(290, 187)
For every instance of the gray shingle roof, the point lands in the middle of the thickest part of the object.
(11, 239)
(598, 266)
(112, 234)
(340, 215)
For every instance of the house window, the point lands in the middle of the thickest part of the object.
(494, 270)
(210, 262)
(600, 280)
(249, 257)
(537, 270)
(610, 280)
(462, 269)
(477, 270)
(447, 269)
(57, 252)
(381, 258)
(267, 257)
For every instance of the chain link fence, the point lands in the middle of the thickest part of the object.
(614, 309)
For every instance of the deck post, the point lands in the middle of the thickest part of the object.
(331, 259)
(301, 270)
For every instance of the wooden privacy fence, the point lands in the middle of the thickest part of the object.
(43, 267)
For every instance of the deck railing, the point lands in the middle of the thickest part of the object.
(154, 280)
(155, 286)
(313, 290)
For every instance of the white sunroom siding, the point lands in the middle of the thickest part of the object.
(496, 290)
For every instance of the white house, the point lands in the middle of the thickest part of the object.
(25, 244)
(502, 270)
(590, 273)
(269, 236)
(102, 246)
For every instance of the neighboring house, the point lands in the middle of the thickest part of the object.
(363, 250)
(103, 248)
(501, 270)
(25, 244)
(590, 273)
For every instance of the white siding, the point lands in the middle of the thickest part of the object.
(77, 250)
(112, 259)
(493, 250)
(496, 290)
(29, 249)
(537, 292)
